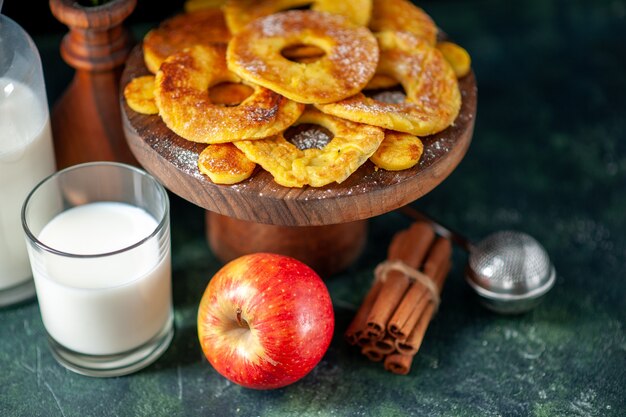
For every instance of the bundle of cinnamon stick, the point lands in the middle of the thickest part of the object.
(393, 318)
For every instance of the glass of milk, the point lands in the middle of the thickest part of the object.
(26, 154)
(98, 240)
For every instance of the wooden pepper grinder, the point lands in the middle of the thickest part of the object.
(86, 120)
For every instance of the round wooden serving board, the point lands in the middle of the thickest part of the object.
(366, 193)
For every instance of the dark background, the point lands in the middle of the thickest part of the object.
(548, 157)
(36, 19)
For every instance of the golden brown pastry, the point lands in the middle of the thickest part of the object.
(381, 81)
(223, 163)
(241, 12)
(303, 53)
(403, 16)
(205, 27)
(457, 57)
(398, 151)
(351, 146)
(350, 61)
(229, 93)
(139, 95)
(182, 96)
(433, 98)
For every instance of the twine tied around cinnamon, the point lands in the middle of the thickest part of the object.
(383, 269)
(392, 320)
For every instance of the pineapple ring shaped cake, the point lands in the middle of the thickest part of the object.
(350, 60)
(182, 96)
(398, 151)
(204, 27)
(239, 13)
(403, 16)
(433, 98)
(352, 144)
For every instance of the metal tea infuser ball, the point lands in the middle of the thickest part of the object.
(509, 270)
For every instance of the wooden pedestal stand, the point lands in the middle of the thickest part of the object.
(86, 120)
(327, 249)
(324, 227)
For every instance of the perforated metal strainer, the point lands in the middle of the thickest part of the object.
(510, 271)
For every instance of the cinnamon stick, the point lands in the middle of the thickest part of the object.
(372, 352)
(411, 345)
(357, 326)
(401, 325)
(409, 246)
(408, 312)
(394, 307)
(442, 274)
(386, 345)
(421, 236)
(398, 363)
(363, 339)
(438, 256)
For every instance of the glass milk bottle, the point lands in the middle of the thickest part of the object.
(26, 153)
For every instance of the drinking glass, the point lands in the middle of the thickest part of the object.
(98, 240)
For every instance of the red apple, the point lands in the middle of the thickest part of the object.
(265, 320)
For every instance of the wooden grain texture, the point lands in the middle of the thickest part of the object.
(327, 249)
(86, 120)
(366, 193)
(96, 40)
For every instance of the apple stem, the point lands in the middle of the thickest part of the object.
(241, 321)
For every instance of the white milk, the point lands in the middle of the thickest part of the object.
(26, 157)
(109, 304)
